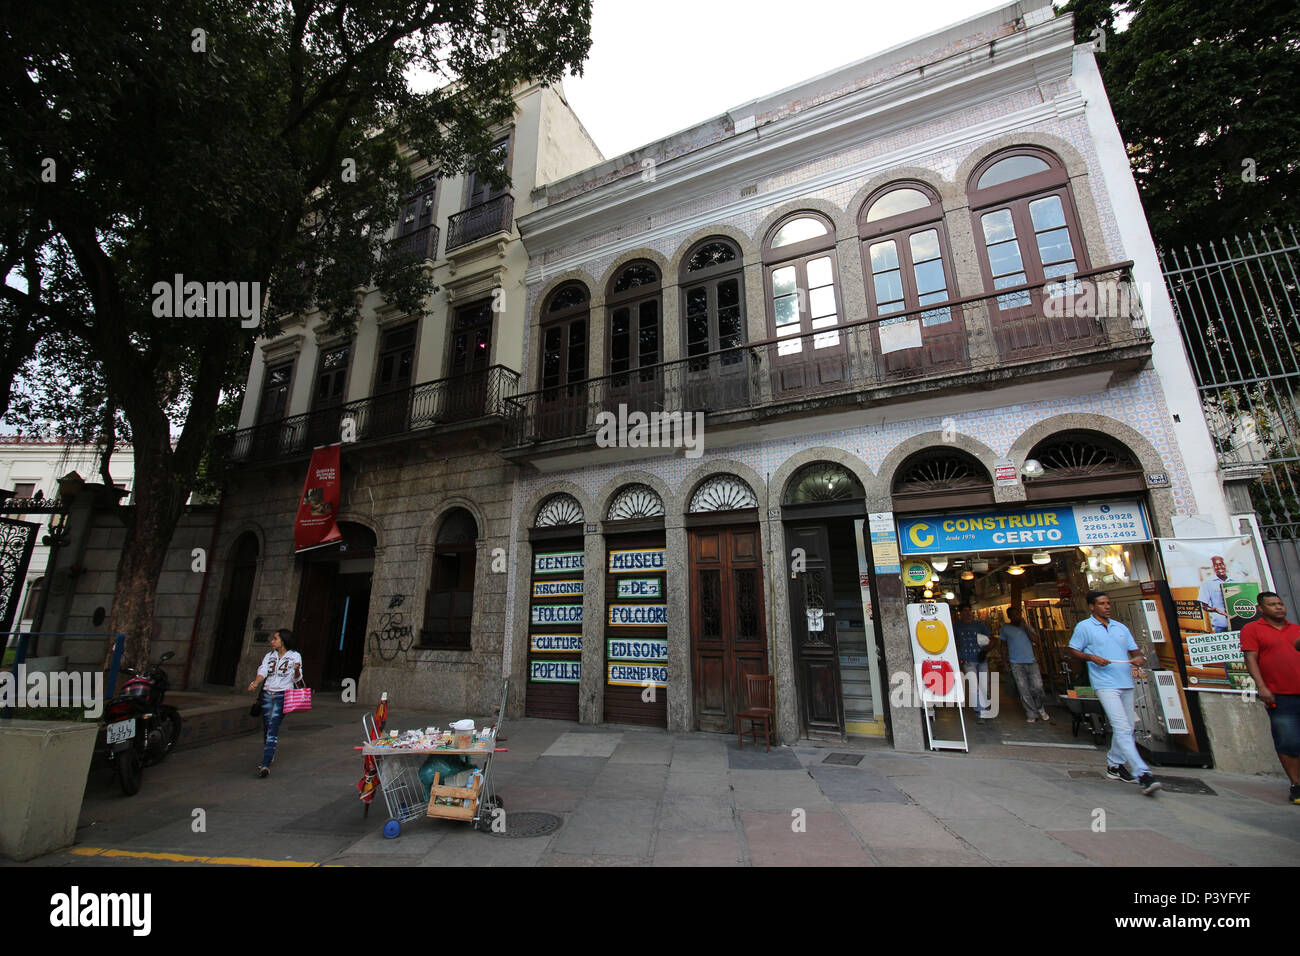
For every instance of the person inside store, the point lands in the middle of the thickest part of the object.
(1019, 635)
(973, 641)
(1271, 645)
(1113, 659)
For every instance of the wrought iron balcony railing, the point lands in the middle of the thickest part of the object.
(461, 398)
(485, 219)
(1014, 328)
(422, 243)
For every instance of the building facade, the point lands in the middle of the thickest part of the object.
(408, 602)
(916, 309)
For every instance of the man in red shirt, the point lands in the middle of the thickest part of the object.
(1272, 648)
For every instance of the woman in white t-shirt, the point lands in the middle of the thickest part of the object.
(281, 668)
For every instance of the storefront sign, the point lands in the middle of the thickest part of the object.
(1215, 647)
(570, 587)
(639, 675)
(557, 613)
(642, 559)
(555, 672)
(639, 588)
(915, 573)
(934, 653)
(1115, 522)
(638, 615)
(884, 543)
(556, 643)
(317, 524)
(559, 562)
(1005, 473)
(637, 650)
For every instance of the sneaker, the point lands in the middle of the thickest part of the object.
(1031, 720)
(1149, 784)
(1120, 773)
(986, 716)
(1295, 793)
(1044, 715)
(264, 771)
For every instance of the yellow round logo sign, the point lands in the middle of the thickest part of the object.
(915, 573)
(932, 636)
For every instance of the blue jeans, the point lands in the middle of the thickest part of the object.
(1118, 705)
(978, 688)
(272, 714)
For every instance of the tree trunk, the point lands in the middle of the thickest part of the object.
(159, 503)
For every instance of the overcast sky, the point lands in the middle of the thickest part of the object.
(660, 66)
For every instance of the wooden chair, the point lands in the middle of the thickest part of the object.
(762, 708)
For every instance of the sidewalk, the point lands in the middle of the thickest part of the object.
(636, 797)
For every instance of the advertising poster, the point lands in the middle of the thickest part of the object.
(317, 522)
(1215, 583)
(934, 654)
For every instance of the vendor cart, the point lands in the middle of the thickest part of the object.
(399, 779)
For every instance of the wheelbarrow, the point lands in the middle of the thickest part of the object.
(1086, 710)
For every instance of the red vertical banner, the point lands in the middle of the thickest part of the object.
(318, 508)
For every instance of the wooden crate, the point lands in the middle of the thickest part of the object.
(460, 793)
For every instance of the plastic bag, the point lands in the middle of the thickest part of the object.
(447, 766)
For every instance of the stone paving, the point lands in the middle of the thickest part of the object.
(642, 797)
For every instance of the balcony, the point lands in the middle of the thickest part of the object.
(1015, 336)
(478, 222)
(421, 244)
(447, 401)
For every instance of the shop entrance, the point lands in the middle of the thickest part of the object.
(555, 628)
(333, 605)
(728, 639)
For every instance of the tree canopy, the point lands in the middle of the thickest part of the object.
(234, 142)
(1205, 97)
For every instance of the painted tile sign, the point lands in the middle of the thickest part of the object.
(638, 615)
(1114, 522)
(555, 672)
(557, 613)
(569, 587)
(556, 643)
(634, 649)
(638, 675)
(559, 562)
(640, 559)
(639, 588)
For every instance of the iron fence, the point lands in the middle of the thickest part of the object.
(485, 219)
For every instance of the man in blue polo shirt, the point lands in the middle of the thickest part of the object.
(1113, 657)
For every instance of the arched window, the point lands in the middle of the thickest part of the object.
(635, 334)
(713, 321)
(1026, 225)
(905, 252)
(723, 493)
(1084, 463)
(564, 328)
(636, 502)
(558, 511)
(821, 481)
(449, 604)
(802, 275)
(937, 478)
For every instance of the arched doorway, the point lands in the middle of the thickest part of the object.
(236, 597)
(555, 609)
(833, 638)
(333, 606)
(728, 630)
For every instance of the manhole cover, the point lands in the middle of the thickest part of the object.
(1184, 785)
(521, 823)
(848, 760)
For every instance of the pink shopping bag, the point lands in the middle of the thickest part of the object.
(298, 698)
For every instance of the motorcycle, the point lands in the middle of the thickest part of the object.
(139, 729)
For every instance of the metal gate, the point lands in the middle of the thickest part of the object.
(1238, 307)
(17, 538)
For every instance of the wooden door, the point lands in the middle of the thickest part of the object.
(728, 636)
(812, 631)
(231, 622)
(471, 355)
(311, 625)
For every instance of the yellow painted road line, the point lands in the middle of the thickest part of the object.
(184, 858)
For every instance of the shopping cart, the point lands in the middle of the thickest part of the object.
(405, 794)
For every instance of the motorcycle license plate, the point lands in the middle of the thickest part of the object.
(122, 730)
